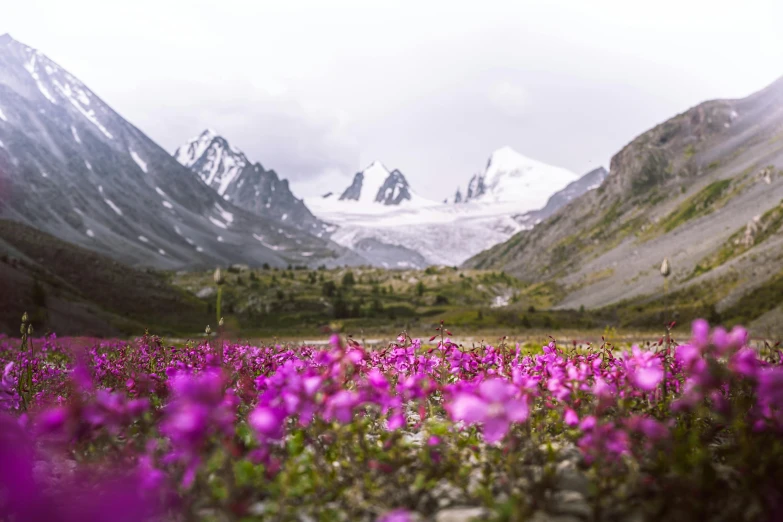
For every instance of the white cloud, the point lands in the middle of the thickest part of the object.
(509, 97)
(308, 87)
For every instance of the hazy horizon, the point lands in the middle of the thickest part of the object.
(318, 92)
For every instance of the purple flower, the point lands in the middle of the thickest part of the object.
(396, 421)
(648, 426)
(9, 398)
(377, 380)
(570, 418)
(340, 406)
(720, 339)
(700, 333)
(398, 515)
(267, 421)
(687, 355)
(605, 441)
(52, 420)
(588, 423)
(745, 363)
(770, 387)
(645, 370)
(199, 409)
(496, 404)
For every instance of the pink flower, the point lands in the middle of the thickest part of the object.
(700, 333)
(267, 421)
(340, 406)
(588, 423)
(645, 370)
(398, 515)
(570, 418)
(496, 404)
(745, 363)
(396, 421)
(770, 387)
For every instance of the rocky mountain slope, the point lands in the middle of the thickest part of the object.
(71, 166)
(247, 185)
(704, 189)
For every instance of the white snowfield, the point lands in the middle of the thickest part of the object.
(446, 233)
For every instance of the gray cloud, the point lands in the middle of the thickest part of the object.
(317, 90)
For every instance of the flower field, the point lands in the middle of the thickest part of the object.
(418, 430)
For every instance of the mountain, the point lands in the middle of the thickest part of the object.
(75, 291)
(248, 185)
(423, 232)
(376, 184)
(590, 181)
(74, 168)
(704, 189)
(512, 177)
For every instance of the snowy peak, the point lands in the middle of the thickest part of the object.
(191, 151)
(216, 162)
(510, 177)
(376, 184)
(235, 178)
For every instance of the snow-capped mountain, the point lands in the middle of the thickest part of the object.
(510, 177)
(72, 167)
(376, 184)
(213, 159)
(430, 232)
(248, 185)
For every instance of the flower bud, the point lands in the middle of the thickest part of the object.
(218, 276)
(30, 329)
(208, 330)
(665, 269)
(220, 323)
(25, 317)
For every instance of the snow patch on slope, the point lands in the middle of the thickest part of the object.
(114, 207)
(140, 162)
(218, 223)
(31, 68)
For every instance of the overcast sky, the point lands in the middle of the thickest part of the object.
(318, 89)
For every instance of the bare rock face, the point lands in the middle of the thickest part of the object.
(376, 184)
(354, 190)
(394, 190)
